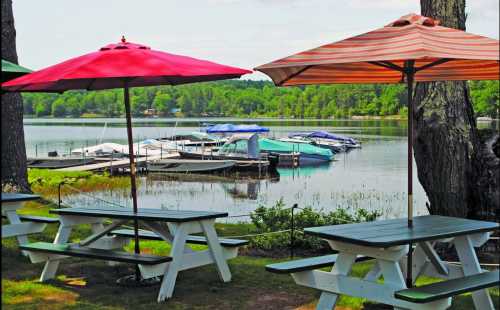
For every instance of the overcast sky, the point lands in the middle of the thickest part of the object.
(243, 33)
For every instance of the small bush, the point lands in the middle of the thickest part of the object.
(278, 217)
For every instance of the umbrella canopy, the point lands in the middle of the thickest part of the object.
(123, 65)
(11, 71)
(439, 54)
(412, 48)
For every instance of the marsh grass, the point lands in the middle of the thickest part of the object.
(46, 182)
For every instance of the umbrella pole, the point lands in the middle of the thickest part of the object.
(133, 188)
(410, 73)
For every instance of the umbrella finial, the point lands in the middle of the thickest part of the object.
(123, 39)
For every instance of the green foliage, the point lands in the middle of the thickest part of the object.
(239, 98)
(485, 97)
(278, 217)
(46, 182)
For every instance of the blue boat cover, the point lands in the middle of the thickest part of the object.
(325, 135)
(221, 128)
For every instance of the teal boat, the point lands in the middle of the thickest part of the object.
(309, 154)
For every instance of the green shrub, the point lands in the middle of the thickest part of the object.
(278, 218)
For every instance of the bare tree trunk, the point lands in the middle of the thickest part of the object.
(14, 171)
(447, 142)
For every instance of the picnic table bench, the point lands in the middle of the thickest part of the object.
(36, 219)
(449, 288)
(20, 226)
(150, 235)
(387, 242)
(175, 227)
(108, 255)
(308, 264)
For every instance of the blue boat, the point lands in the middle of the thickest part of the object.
(231, 128)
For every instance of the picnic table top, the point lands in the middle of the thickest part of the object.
(142, 214)
(387, 233)
(13, 197)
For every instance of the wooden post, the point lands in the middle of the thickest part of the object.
(410, 73)
(292, 235)
(133, 188)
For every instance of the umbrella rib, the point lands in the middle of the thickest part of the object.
(90, 84)
(387, 65)
(295, 74)
(432, 64)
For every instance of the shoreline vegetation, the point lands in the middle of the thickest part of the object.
(88, 284)
(180, 117)
(247, 98)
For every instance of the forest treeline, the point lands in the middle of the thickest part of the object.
(246, 98)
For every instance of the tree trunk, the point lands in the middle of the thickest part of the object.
(14, 171)
(447, 144)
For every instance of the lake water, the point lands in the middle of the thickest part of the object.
(373, 177)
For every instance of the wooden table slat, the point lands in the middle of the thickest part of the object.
(395, 232)
(142, 214)
(13, 197)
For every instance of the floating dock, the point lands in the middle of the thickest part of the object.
(117, 164)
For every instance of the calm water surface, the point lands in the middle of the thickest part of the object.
(374, 177)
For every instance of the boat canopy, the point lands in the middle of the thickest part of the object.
(104, 148)
(237, 143)
(270, 145)
(321, 134)
(194, 136)
(228, 128)
(146, 147)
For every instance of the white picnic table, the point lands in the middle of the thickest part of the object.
(387, 242)
(11, 202)
(172, 226)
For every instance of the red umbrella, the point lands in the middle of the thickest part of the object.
(123, 65)
(412, 48)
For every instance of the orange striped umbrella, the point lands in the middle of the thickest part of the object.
(413, 48)
(380, 56)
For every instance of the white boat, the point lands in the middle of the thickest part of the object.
(149, 147)
(102, 150)
(193, 139)
(189, 165)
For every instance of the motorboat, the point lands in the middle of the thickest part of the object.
(334, 146)
(286, 151)
(327, 139)
(57, 162)
(230, 129)
(248, 158)
(102, 150)
(194, 139)
(189, 165)
(148, 147)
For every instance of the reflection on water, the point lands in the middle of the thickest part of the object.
(374, 177)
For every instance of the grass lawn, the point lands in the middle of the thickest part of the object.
(89, 284)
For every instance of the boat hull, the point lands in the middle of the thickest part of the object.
(243, 164)
(57, 163)
(190, 166)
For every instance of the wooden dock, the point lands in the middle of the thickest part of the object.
(116, 164)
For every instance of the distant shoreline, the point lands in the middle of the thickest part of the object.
(352, 118)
